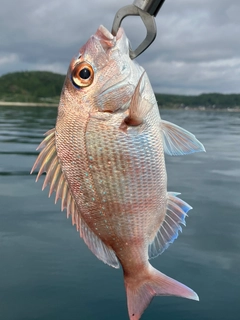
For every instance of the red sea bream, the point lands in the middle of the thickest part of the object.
(105, 160)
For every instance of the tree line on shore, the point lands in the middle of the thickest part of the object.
(43, 86)
(31, 86)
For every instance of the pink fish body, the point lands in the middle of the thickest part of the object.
(105, 159)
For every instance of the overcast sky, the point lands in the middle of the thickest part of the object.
(197, 48)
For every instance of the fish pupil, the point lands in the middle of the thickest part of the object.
(84, 73)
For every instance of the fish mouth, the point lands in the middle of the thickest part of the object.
(104, 34)
(105, 37)
(117, 86)
(120, 33)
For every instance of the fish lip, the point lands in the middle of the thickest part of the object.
(104, 34)
(120, 33)
(107, 40)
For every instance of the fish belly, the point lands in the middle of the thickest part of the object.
(118, 178)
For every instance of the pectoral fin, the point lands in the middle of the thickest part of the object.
(178, 141)
(138, 108)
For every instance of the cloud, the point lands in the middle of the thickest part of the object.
(197, 48)
(4, 60)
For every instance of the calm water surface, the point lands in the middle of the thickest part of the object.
(47, 272)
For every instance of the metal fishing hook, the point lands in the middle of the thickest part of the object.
(147, 10)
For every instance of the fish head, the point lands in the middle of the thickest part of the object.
(102, 78)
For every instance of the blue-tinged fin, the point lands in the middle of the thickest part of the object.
(176, 212)
(178, 141)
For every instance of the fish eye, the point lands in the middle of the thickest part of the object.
(85, 73)
(82, 74)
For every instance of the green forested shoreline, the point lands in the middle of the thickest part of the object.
(204, 100)
(31, 86)
(45, 87)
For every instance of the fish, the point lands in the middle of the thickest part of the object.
(105, 159)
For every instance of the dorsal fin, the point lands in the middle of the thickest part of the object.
(49, 163)
(175, 215)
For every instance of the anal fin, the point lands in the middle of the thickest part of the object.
(178, 141)
(98, 248)
(176, 212)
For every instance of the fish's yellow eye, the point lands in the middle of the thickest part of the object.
(82, 74)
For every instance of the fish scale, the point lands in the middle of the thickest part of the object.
(105, 159)
(74, 162)
(129, 180)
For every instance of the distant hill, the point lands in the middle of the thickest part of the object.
(205, 100)
(31, 86)
(45, 87)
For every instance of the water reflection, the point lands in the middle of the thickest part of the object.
(47, 272)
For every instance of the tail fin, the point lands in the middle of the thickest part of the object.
(140, 291)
